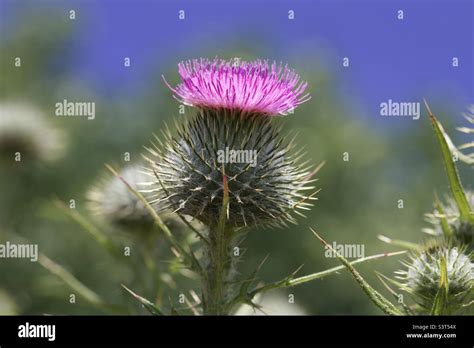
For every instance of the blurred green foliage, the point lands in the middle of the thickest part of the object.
(358, 200)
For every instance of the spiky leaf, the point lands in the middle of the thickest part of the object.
(451, 170)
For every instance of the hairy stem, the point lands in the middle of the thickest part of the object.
(218, 275)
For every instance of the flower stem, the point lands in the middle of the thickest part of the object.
(220, 268)
(219, 272)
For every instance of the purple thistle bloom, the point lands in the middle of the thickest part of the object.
(251, 87)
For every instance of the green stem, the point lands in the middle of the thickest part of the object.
(220, 268)
(219, 271)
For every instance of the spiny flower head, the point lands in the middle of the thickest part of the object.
(111, 200)
(219, 150)
(253, 87)
(423, 274)
(463, 231)
(468, 157)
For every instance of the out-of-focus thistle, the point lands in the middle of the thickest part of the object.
(111, 200)
(439, 277)
(25, 131)
(229, 167)
(7, 305)
(468, 157)
(447, 216)
(272, 304)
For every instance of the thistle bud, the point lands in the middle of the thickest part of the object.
(423, 276)
(462, 231)
(112, 201)
(246, 153)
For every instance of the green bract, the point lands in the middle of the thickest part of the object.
(265, 181)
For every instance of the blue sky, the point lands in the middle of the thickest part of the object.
(389, 58)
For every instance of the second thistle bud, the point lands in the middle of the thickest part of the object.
(112, 201)
(422, 278)
(462, 231)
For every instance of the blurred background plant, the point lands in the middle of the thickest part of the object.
(439, 275)
(387, 161)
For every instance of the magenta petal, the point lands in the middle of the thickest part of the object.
(249, 86)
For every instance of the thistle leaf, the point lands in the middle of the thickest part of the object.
(447, 231)
(400, 243)
(383, 279)
(247, 282)
(378, 299)
(290, 280)
(322, 274)
(447, 149)
(441, 300)
(99, 236)
(243, 296)
(76, 285)
(154, 310)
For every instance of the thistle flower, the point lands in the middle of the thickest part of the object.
(423, 274)
(111, 200)
(230, 145)
(253, 87)
(228, 166)
(24, 129)
(463, 232)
